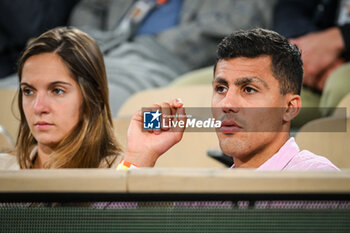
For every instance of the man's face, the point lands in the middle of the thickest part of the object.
(247, 98)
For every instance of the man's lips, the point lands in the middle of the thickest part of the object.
(42, 125)
(230, 126)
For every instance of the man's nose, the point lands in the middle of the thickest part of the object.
(231, 102)
(41, 104)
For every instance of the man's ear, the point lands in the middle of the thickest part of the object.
(293, 106)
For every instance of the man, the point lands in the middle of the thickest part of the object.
(256, 87)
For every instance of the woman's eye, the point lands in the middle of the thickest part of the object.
(220, 89)
(58, 91)
(249, 90)
(27, 91)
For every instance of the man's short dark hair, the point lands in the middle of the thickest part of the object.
(287, 66)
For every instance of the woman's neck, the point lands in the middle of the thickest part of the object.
(42, 156)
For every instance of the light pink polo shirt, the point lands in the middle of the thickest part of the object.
(289, 157)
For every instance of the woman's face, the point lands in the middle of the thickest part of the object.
(51, 98)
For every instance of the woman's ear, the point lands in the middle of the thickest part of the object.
(293, 106)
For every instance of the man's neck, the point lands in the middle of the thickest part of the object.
(259, 157)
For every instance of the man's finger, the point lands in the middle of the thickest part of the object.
(167, 116)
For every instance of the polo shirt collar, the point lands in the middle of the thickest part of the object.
(280, 160)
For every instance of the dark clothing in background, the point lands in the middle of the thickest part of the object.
(294, 18)
(21, 20)
(152, 61)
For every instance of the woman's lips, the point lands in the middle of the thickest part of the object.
(43, 125)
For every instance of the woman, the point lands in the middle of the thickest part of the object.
(65, 118)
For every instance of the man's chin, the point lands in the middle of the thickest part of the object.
(232, 145)
(227, 136)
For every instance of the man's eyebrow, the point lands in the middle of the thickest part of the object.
(247, 80)
(220, 80)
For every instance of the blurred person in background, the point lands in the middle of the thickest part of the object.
(23, 20)
(148, 44)
(321, 30)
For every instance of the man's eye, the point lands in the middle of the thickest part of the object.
(249, 90)
(58, 91)
(27, 91)
(220, 89)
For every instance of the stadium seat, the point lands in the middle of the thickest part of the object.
(8, 117)
(329, 136)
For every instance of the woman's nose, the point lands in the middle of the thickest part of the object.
(41, 104)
